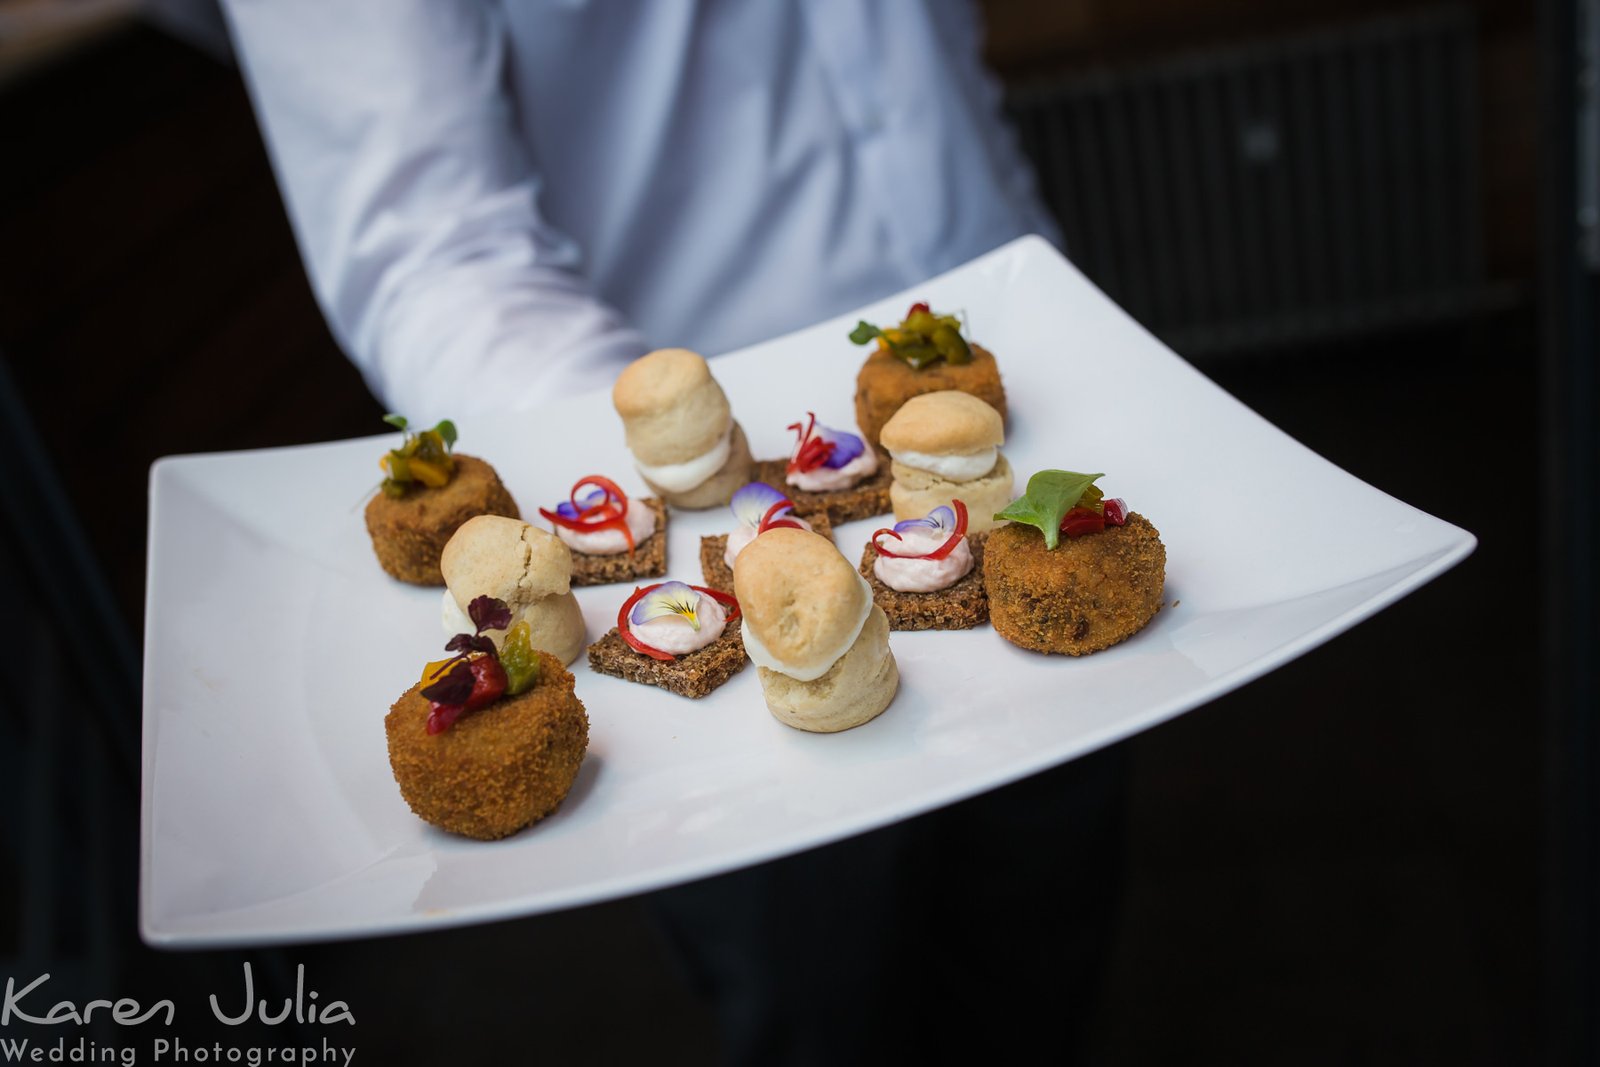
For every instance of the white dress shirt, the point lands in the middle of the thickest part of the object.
(502, 202)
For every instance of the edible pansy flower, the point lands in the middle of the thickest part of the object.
(589, 503)
(941, 520)
(822, 446)
(949, 521)
(667, 599)
(677, 598)
(761, 507)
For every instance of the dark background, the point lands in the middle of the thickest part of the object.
(1378, 854)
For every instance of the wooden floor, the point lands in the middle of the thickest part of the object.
(1336, 864)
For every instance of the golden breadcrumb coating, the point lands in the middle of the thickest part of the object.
(886, 382)
(1087, 594)
(496, 769)
(410, 532)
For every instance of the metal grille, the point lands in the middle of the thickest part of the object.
(1284, 191)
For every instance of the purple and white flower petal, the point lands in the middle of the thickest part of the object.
(941, 520)
(667, 599)
(590, 500)
(753, 501)
(846, 446)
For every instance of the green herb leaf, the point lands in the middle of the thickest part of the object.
(447, 430)
(397, 421)
(1051, 494)
(864, 332)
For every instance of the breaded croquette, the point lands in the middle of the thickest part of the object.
(409, 532)
(886, 382)
(497, 769)
(1087, 594)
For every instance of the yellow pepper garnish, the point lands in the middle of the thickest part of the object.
(423, 457)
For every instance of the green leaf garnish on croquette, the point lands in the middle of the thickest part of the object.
(1051, 494)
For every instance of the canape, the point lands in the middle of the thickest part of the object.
(821, 646)
(946, 445)
(830, 471)
(685, 442)
(757, 508)
(428, 491)
(1072, 572)
(682, 638)
(926, 573)
(490, 740)
(922, 354)
(612, 538)
(522, 565)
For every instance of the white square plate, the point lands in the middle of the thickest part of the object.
(275, 645)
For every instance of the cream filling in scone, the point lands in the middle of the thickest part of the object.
(682, 477)
(761, 657)
(855, 690)
(610, 542)
(957, 467)
(454, 620)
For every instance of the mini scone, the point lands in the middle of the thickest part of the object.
(925, 353)
(683, 638)
(830, 471)
(946, 445)
(927, 573)
(526, 567)
(1073, 572)
(427, 493)
(490, 740)
(612, 538)
(685, 442)
(757, 508)
(821, 646)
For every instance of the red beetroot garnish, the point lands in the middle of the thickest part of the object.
(610, 514)
(942, 551)
(488, 685)
(810, 452)
(919, 306)
(1081, 520)
(466, 682)
(772, 519)
(640, 592)
(1116, 511)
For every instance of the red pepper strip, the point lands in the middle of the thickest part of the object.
(606, 485)
(1116, 511)
(727, 600)
(1080, 520)
(942, 551)
(583, 525)
(769, 521)
(610, 514)
(623, 628)
(488, 685)
(640, 592)
(919, 306)
(810, 452)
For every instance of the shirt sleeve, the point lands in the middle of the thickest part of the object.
(414, 201)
